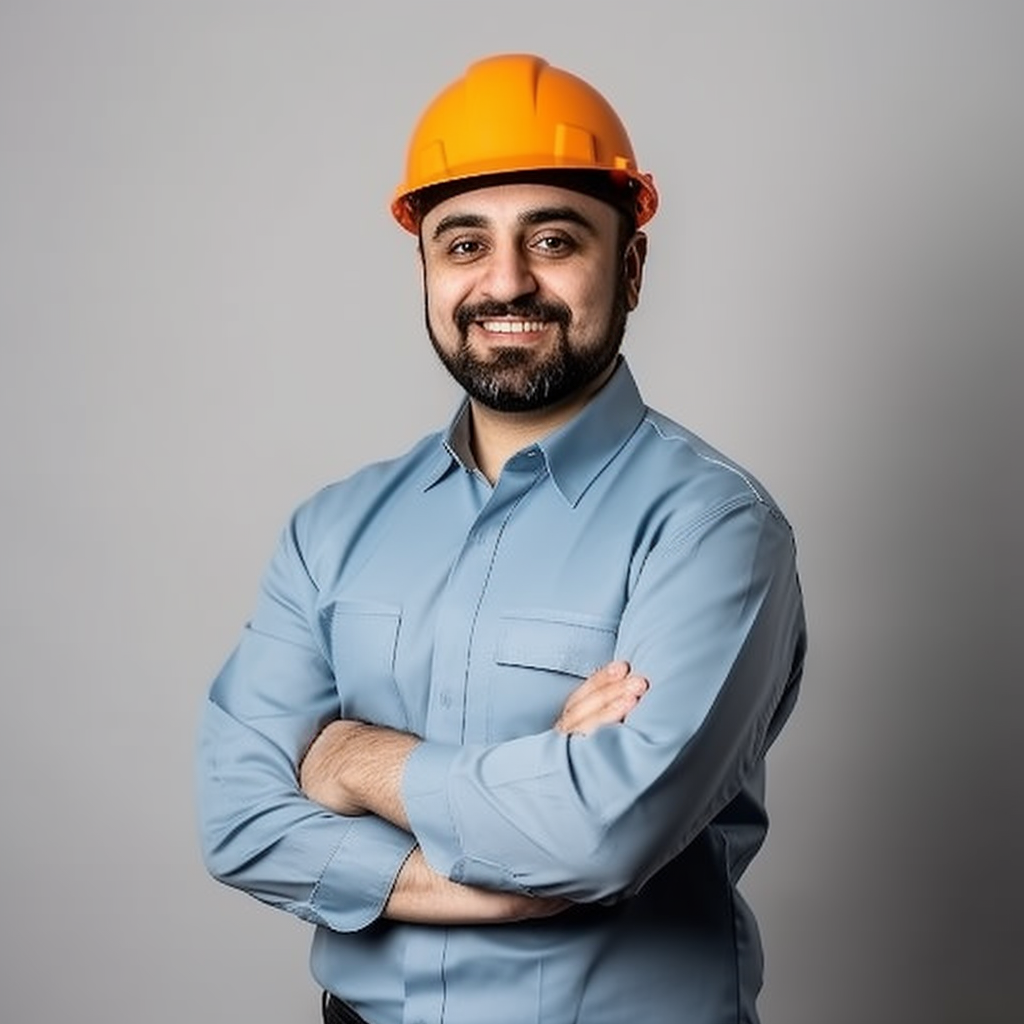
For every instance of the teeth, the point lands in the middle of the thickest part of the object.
(513, 326)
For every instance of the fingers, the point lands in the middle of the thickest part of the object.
(611, 674)
(604, 698)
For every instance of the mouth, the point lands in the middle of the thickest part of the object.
(509, 326)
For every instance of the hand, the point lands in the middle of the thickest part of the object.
(605, 698)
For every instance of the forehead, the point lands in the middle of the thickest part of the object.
(518, 204)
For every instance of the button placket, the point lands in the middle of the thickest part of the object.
(459, 605)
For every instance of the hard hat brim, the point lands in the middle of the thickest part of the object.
(629, 190)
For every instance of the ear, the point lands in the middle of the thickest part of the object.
(633, 259)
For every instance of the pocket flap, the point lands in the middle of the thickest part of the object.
(555, 641)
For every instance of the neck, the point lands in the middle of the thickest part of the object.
(495, 436)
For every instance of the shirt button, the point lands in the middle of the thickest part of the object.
(446, 699)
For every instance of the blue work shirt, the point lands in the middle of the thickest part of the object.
(415, 595)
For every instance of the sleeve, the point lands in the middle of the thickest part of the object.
(258, 831)
(715, 622)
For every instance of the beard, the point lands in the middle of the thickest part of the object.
(515, 378)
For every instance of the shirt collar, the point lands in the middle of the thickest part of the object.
(453, 451)
(457, 437)
(577, 451)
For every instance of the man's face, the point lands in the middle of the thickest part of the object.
(527, 291)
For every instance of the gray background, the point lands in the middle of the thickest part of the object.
(206, 313)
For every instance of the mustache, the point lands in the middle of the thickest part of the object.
(528, 309)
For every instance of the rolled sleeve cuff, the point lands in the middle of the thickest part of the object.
(360, 875)
(425, 795)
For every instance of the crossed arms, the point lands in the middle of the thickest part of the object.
(714, 621)
(353, 768)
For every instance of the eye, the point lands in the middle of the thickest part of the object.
(464, 248)
(553, 244)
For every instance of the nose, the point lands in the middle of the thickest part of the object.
(509, 274)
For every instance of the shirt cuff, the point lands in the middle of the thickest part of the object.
(425, 795)
(360, 875)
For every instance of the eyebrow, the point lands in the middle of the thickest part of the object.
(458, 220)
(540, 215)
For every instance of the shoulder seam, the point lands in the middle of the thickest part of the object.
(687, 439)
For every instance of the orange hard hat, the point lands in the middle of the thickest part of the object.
(513, 113)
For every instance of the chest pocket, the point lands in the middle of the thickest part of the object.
(364, 639)
(541, 657)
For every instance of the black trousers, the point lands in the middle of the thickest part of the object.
(337, 1012)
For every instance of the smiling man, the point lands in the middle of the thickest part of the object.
(497, 726)
(516, 266)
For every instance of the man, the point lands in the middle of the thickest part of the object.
(498, 724)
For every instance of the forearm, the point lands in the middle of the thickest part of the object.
(353, 768)
(422, 896)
